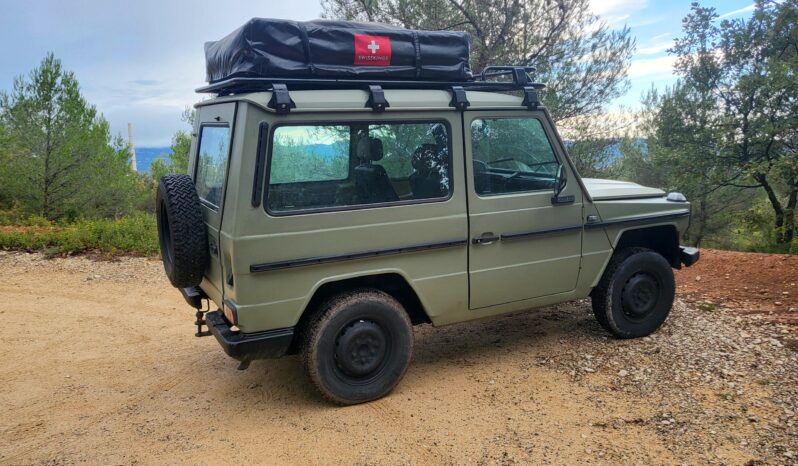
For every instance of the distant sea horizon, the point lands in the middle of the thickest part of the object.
(145, 156)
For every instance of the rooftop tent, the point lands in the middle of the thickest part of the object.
(274, 48)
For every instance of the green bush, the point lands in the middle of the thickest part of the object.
(135, 234)
(752, 230)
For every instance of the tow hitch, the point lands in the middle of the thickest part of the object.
(200, 322)
(194, 297)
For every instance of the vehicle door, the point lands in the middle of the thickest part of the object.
(211, 150)
(524, 243)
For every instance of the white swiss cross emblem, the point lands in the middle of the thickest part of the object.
(372, 50)
(373, 46)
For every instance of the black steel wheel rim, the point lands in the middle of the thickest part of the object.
(362, 349)
(640, 295)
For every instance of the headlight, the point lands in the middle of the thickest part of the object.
(676, 197)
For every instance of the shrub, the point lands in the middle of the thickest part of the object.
(135, 234)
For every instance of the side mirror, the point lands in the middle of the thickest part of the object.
(560, 181)
(559, 184)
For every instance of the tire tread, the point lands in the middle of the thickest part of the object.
(327, 311)
(189, 235)
(601, 295)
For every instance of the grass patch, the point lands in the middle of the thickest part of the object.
(136, 234)
(705, 306)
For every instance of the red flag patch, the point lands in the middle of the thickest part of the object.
(372, 50)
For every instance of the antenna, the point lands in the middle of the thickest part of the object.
(132, 148)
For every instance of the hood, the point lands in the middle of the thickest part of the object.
(612, 189)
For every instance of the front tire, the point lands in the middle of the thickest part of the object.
(359, 346)
(635, 294)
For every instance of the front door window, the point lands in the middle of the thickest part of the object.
(511, 155)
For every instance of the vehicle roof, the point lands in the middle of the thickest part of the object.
(353, 99)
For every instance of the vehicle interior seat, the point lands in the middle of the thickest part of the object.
(427, 181)
(372, 184)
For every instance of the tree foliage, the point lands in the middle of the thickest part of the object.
(583, 62)
(59, 159)
(731, 122)
(683, 166)
(177, 161)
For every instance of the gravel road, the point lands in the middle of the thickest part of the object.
(99, 365)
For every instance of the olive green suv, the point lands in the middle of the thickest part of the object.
(327, 218)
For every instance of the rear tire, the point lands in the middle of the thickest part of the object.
(358, 347)
(635, 294)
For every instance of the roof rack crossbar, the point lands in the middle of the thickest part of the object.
(519, 73)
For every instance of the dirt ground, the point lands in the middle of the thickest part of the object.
(764, 285)
(99, 365)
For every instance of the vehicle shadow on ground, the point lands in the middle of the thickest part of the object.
(437, 350)
(532, 331)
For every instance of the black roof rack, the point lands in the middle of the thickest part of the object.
(520, 80)
(282, 103)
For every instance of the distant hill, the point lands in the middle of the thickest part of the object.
(146, 155)
(326, 151)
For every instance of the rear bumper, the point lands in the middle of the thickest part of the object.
(249, 346)
(689, 256)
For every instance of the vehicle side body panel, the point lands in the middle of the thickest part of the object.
(276, 296)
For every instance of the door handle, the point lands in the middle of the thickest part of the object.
(485, 239)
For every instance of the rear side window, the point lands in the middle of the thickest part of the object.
(212, 163)
(309, 153)
(344, 166)
(511, 155)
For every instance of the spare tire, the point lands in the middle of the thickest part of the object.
(181, 231)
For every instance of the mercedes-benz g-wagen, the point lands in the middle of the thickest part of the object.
(328, 209)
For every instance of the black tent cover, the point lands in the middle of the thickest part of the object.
(320, 49)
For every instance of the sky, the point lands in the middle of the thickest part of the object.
(140, 61)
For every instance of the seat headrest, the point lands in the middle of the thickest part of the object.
(424, 157)
(369, 149)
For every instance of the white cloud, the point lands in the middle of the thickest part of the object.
(616, 7)
(616, 12)
(652, 67)
(738, 12)
(655, 49)
(612, 20)
(639, 23)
